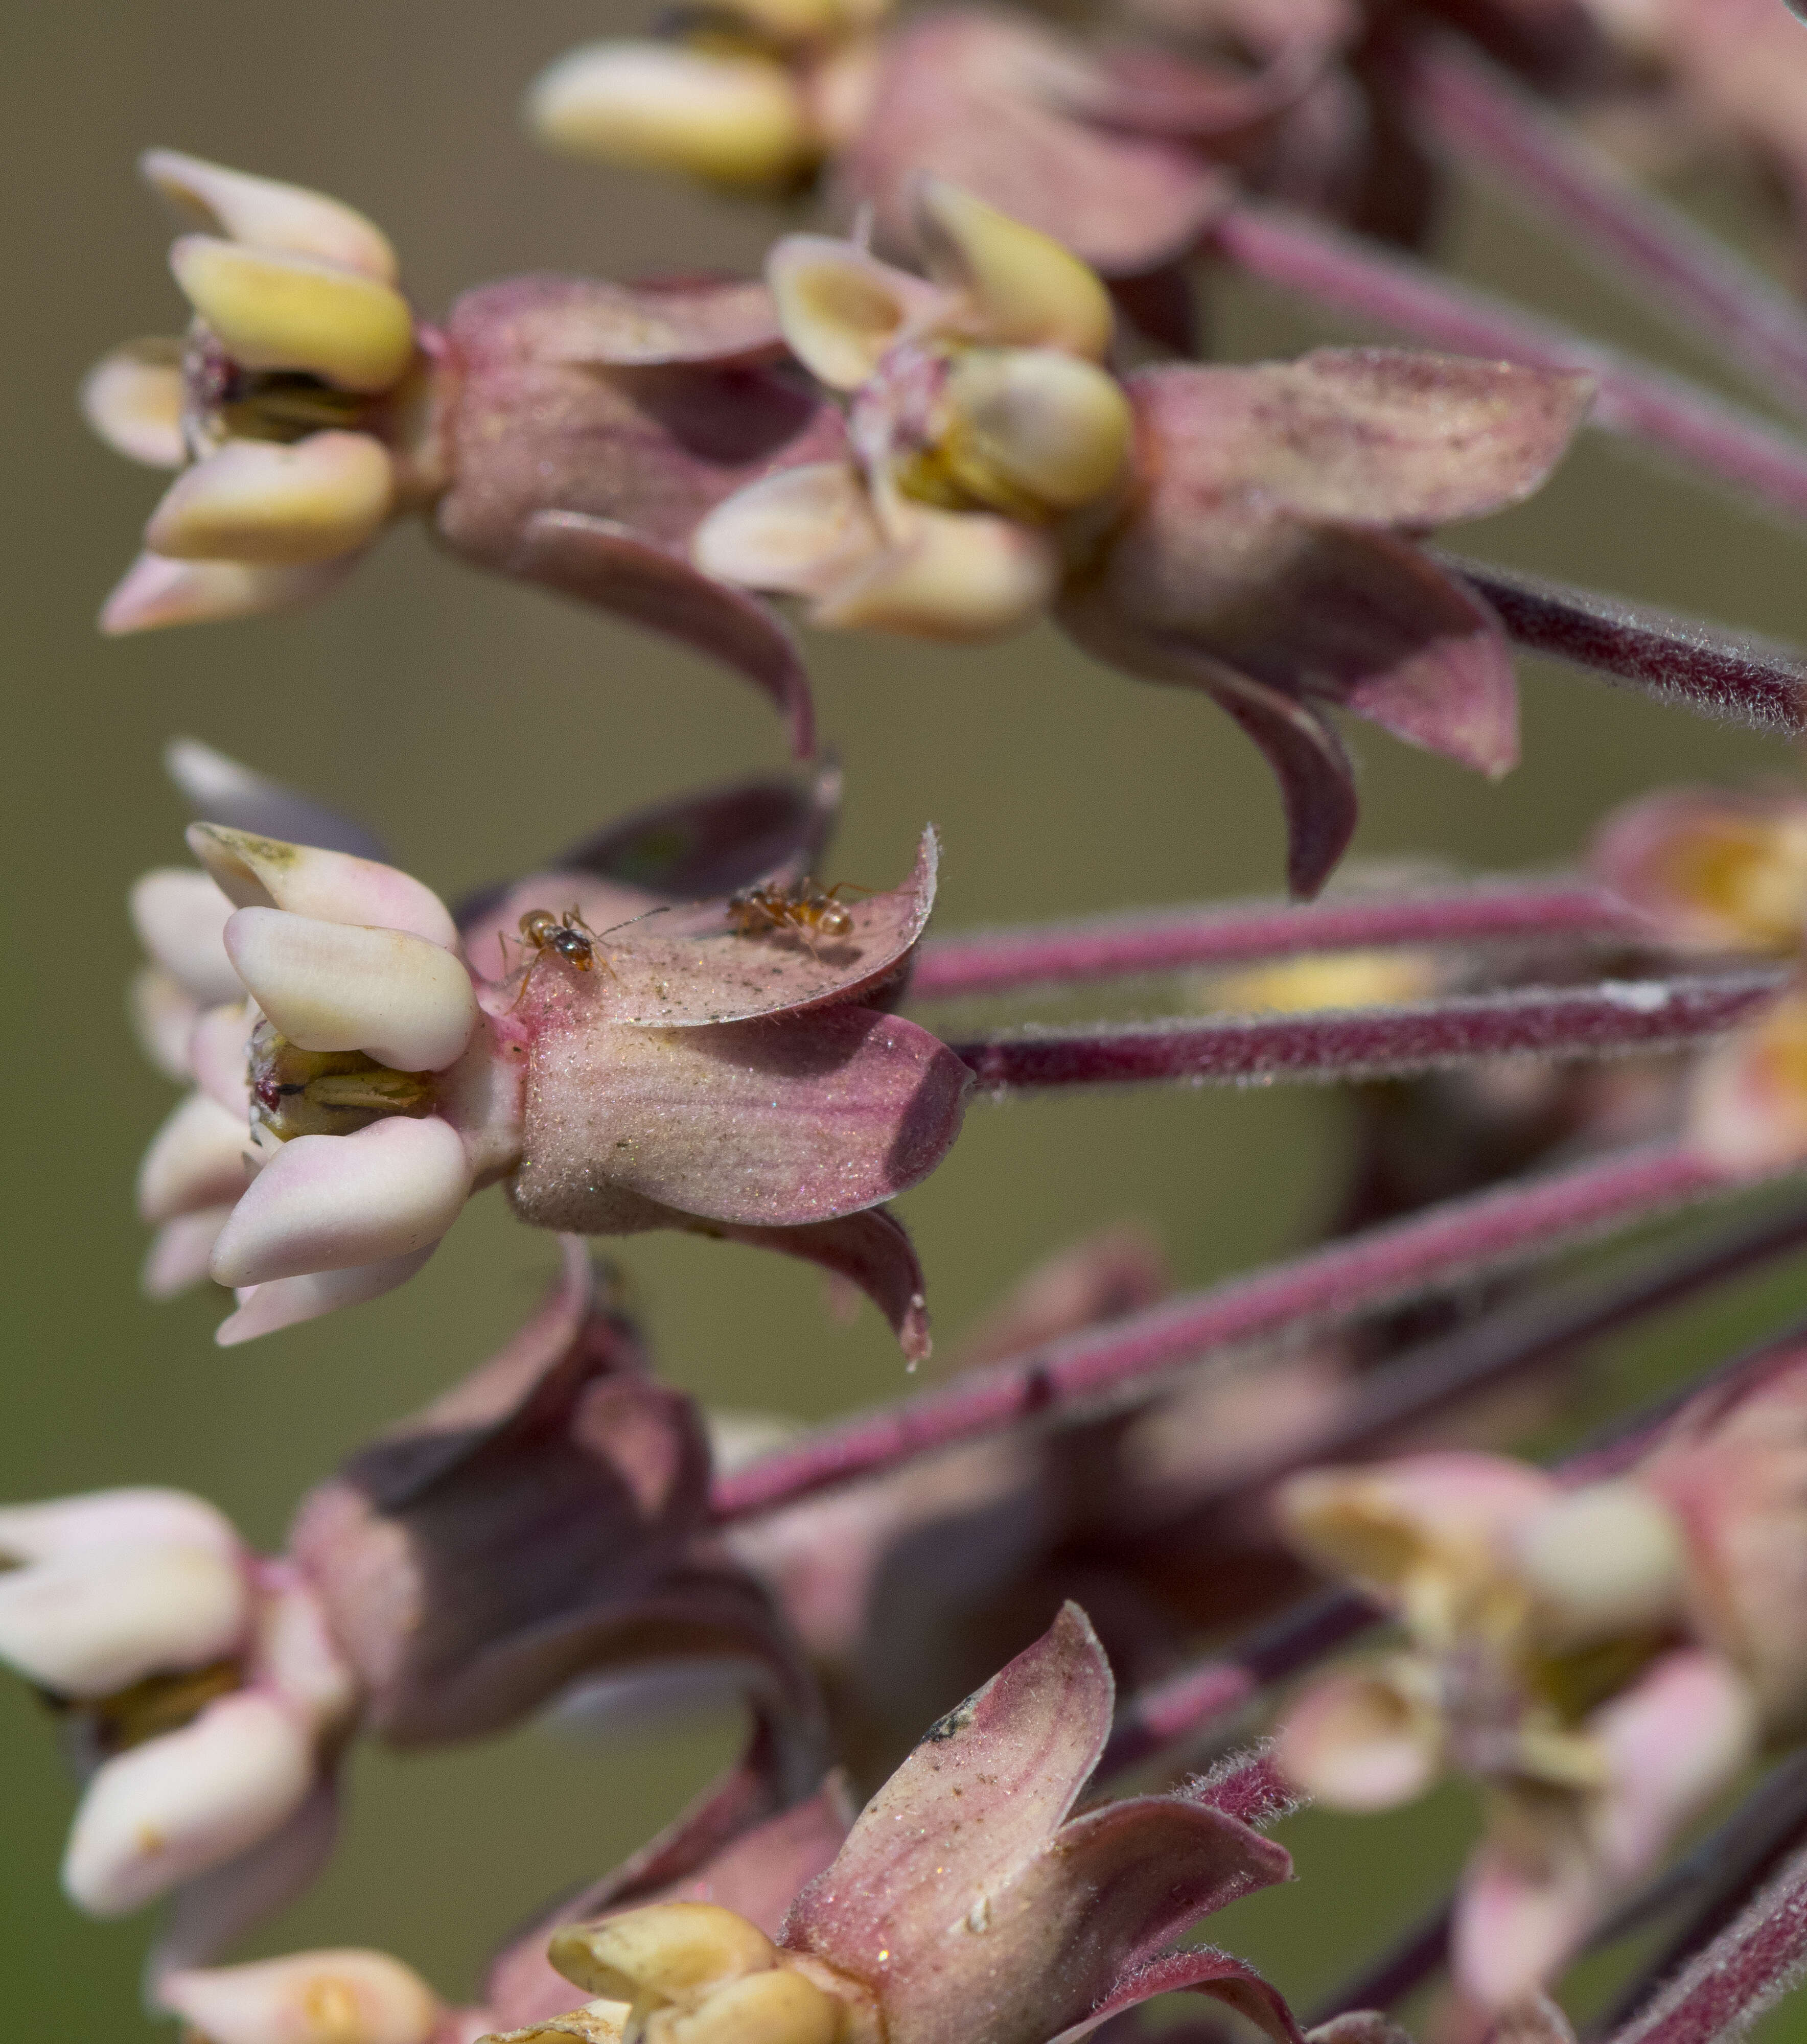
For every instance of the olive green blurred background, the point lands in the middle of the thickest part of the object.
(478, 725)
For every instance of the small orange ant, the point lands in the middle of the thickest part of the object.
(811, 911)
(566, 937)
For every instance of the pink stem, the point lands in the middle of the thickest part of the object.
(1747, 1967)
(1474, 113)
(1731, 676)
(1166, 940)
(1447, 1246)
(1664, 412)
(1560, 1022)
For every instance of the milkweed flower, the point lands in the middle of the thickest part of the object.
(348, 1996)
(1246, 531)
(202, 1695)
(967, 1901)
(356, 1077)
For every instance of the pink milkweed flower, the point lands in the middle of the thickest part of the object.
(1725, 871)
(347, 1995)
(967, 1902)
(202, 1693)
(1555, 1651)
(715, 1071)
(1246, 531)
(565, 431)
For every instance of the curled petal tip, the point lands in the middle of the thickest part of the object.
(154, 592)
(274, 506)
(342, 986)
(164, 1811)
(274, 311)
(290, 1302)
(1025, 288)
(132, 399)
(957, 575)
(733, 119)
(264, 212)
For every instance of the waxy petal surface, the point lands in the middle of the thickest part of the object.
(154, 592)
(798, 532)
(266, 213)
(181, 1253)
(277, 506)
(333, 1202)
(134, 1515)
(179, 916)
(132, 398)
(780, 1122)
(259, 872)
(287, 1302)
(196, 1159)
(841, 309)
(324, 1997)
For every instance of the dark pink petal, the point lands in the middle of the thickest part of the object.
(1154, 91)
(653, 323)
(1364, 436)
(980, 100)
(979, 1799)
(1198, 1970)
(657, 980)
(655, 586)
(871, 1250)
(799, 1118)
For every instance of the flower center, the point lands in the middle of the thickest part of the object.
(326, 1093)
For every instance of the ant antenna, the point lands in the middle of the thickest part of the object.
(628, 924)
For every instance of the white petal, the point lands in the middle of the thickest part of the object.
(296, 1657)
(340, 986)
(329, 1997)
(272, 310)
(330, 1202)
(132, 399)
(195, 1160)
(217, 1057)
(842, 309)
(180, 917)
(259, 872)
(955, 575)
(181, 1253)
(219, 1907)
(798, 531)
(269, 214)
(154, 592)
(170, 1809)
(87, 1623)
(142, 1514)
(267, 1309)
(221, 790)
(163, 1014)
(274, 505)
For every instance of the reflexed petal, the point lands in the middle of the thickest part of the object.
(223, 791)
(87, 1624)
(1724, 869)
(732, 119)
(180, 917)
(666, 983)
(134, 1515)
(1052, 426)
(163, 1015)
(168, 1810)
(951, 574)
(132, 399)
(275, 506)
(331, 1202)
(771, 1123)
(275, 311)
(1201, 1970)
(841, 309)
(1358, 1741)
(1747, 1095)
(1518, 1922)
(154, 592)
(798, 531)
(182, 1253)
(266, 1309)
(339, 986)
(978, 1799)
(871, 1250)
(195, 1160)
(259, 872)
(327, 1997)
(1025, 289)
(268, 214)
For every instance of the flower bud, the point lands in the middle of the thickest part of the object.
(272, 310)
(735, 119)
(277, 506)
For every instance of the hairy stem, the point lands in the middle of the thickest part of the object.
(1448, 1246)
(1476, 114)
(1560, 1022)
(1662, 412)
(987, 962)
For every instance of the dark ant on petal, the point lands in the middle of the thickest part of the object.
(566, 937)
(810, 911)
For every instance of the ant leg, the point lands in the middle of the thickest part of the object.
(539, 958)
